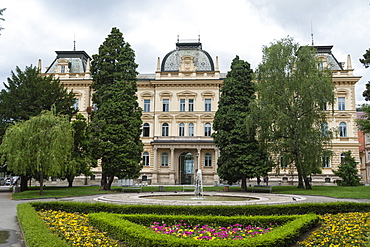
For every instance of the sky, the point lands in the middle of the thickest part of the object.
(35, 29)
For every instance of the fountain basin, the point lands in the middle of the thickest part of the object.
(182, 197)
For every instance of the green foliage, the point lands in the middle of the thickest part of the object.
(347, 171)
(27, 94)
(363, 123)
(36, 233)
(81, 160)
(292, 92)
(39, 146)
(241, 156)
(116, 125)
(366, 60)
(126, 228)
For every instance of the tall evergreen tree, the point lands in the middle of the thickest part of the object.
(292, 92)
(116, 124)
(241, 155)
(2, 19)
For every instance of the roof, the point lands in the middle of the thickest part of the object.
(202, 60)
(77, 61)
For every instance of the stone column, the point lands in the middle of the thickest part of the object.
(172, 167)
(155, 168)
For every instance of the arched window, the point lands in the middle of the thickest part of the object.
(208, 159)
(146, 128)
(165, 129)
(343, 129)
(146, 159)
(181, 129)
(164, 160)
(191, 129)
(207, 129)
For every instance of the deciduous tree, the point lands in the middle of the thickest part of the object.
(292, 92)
(116, 124)
(40, 146)
(241, 155)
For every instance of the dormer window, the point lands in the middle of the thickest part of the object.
(62, 69)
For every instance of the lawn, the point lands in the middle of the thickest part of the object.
(360, 192)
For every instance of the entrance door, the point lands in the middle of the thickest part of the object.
(186, 162)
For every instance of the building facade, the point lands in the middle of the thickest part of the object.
(179, 102)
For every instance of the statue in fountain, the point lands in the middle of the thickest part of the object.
(198, 184)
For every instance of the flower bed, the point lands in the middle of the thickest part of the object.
(346, 229)
(75, 229)
(209, 233)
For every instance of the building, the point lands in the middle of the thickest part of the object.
(179, 102)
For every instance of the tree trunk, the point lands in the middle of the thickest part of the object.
(24, 180)
(307, 183)
(244, 183)
(109, 183)
(41, 184)
(103, 182)
(70, 181)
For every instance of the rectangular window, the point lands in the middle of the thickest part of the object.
(207, 105)
(326, 162)
(182, 104)
(166, 104)
(62, 69)
(191, 129)
(341, 103)
(146, 105)
(191, 104)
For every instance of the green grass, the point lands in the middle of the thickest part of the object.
(359, 192)
(59, 191)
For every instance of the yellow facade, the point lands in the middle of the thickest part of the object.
(179, 102)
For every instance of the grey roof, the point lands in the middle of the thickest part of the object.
(202, 60)
(331, 60)
(77, 61)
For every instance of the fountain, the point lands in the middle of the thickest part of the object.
(198, 185)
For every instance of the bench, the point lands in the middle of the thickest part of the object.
(262, 187)
(137, 188)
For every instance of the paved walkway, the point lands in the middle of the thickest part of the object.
(8, 220)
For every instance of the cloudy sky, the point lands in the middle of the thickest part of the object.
(35, 29)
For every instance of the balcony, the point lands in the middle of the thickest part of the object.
(182, 139)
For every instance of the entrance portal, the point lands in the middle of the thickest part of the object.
(186, 163)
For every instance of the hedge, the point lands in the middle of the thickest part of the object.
(36, 233)
(288, 209)
(132, 231)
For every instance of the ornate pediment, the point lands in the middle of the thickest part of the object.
(343, 115)
(207, 116)
(147, 116)
(186, 94)
(187, 64)
(146, 95)
(208, 94)
(165, 116)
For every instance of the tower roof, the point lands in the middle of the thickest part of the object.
(77, 61)
(202, 60)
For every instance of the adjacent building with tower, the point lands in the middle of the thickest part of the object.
(179, 102)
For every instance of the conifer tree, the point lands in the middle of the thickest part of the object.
(116, 123)
(347, 171)
(241, 155)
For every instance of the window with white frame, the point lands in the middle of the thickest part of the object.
(164, 159)
(146, 159)
(165, 104)
(62, 69)
(326, 162)
(191, 129)
(191, 105)
(208, 159)
(181, 129)
(341, 103)
(342, 156)
(182, 104)
(146, 130)
(207, 105)
(146, 105)
(207, 129)
(343, 129)
(165, 129)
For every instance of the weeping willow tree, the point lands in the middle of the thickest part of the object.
(38, 147)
